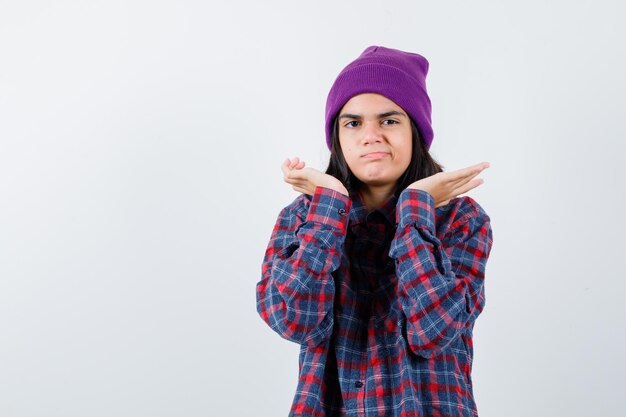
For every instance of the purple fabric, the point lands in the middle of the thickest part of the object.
(398, 75)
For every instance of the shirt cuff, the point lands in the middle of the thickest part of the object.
(416, 207)
(330, 207)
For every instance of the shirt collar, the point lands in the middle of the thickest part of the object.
(359, 213)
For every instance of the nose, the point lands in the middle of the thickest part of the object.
(372, 132)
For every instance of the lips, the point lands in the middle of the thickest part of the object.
(376, 155)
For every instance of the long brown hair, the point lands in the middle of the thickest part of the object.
(422, 164)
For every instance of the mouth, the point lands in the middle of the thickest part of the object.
(376, 155)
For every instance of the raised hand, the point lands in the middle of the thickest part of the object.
(444, 186)
(305, 179)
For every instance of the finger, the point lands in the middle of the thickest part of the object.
(285, 168)
(297, 182)
(300, 190)
(300, 165)
(463, 173)
(297, 174)
(464, 180)
(468, 172)
(293, 181)
(469, 186)
(459, 182)
(294, 162)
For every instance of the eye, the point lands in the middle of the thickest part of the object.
(390, 120)
(352, 121)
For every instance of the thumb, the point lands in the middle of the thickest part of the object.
(285, 168)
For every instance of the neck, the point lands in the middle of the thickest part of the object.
(375, 196)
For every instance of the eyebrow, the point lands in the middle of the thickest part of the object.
(380, 116)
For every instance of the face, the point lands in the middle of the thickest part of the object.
(376, 139)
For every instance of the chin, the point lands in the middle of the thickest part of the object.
(375, 175)
(377, 181)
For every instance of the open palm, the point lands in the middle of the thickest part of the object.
(444, 186)
(306, 179)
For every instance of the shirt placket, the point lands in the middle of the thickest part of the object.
(359, 384)
(360, 376)
(363, 247)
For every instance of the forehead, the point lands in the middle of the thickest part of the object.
(369, 103)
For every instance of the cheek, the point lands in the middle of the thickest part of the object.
(348, 154)
(405, 158)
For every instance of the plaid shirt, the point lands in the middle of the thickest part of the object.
(382, 304)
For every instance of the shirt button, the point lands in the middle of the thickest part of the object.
(358, 384)
(342, 211)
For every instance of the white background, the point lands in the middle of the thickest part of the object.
(140, 151)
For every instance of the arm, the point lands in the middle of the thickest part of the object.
(296, 293)
(441, 292)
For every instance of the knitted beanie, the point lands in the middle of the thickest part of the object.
(400, 76)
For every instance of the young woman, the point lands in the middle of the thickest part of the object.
(377, 268)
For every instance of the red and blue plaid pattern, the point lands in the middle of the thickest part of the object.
(383, 304)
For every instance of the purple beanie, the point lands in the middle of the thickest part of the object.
(400, 76)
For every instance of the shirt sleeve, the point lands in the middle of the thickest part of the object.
(296, 292)
(441, 289)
